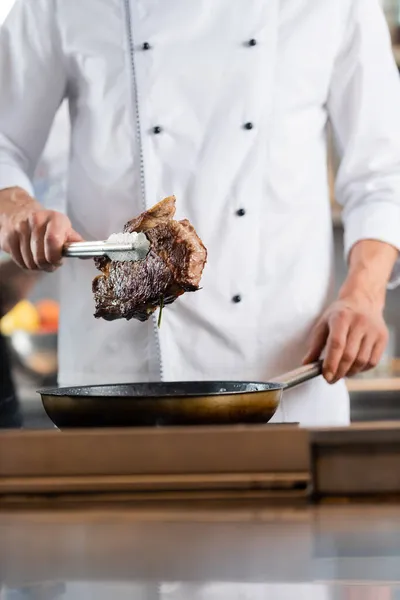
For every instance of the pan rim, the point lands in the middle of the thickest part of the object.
(69, 391)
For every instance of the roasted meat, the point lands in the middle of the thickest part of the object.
(173, 266)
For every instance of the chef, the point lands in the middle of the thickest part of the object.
(225, 105)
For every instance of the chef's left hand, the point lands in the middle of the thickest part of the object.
(354, 335)
(352, 331)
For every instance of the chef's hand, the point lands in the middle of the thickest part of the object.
(33, 236)
(352, 331)
(354, 335)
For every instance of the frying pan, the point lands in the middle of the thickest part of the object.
(174, 403)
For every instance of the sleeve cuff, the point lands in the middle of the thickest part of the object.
(11, 176)
(379, 222)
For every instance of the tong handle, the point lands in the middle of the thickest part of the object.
(93, 249)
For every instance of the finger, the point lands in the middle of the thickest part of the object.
(338, 332)
(350, 352)
(364, 356)
(57, 230)
(12, 248)
(24, 231)
(317, 343)
(74, 236)
(377, 353)
(39, 224)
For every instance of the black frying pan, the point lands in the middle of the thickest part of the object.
(175, 403)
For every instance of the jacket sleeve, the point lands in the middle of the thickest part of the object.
(364, 109)
(32, 86)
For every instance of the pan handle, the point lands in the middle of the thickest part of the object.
(300, 375)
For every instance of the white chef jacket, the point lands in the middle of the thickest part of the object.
(224, 104)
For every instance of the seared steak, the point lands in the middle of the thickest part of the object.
(173, 266)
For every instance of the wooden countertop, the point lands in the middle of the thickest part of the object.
(388, 381)
(377, 384)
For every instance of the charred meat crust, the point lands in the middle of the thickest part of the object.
(174, 265)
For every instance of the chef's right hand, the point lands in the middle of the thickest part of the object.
(33, 236)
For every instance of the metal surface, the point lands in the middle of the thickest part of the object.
(362, 409)
(245, 552)
(101, 248)
(92, 249)
(300, 375)
(175, 403)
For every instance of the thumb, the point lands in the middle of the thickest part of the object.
(73, 236)
(318, 341)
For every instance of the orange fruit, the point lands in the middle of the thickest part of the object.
(49, 312)
(23, 316)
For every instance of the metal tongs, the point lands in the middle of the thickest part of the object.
(132, 251)
(93, 249)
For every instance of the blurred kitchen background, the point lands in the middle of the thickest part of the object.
(35, 352)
